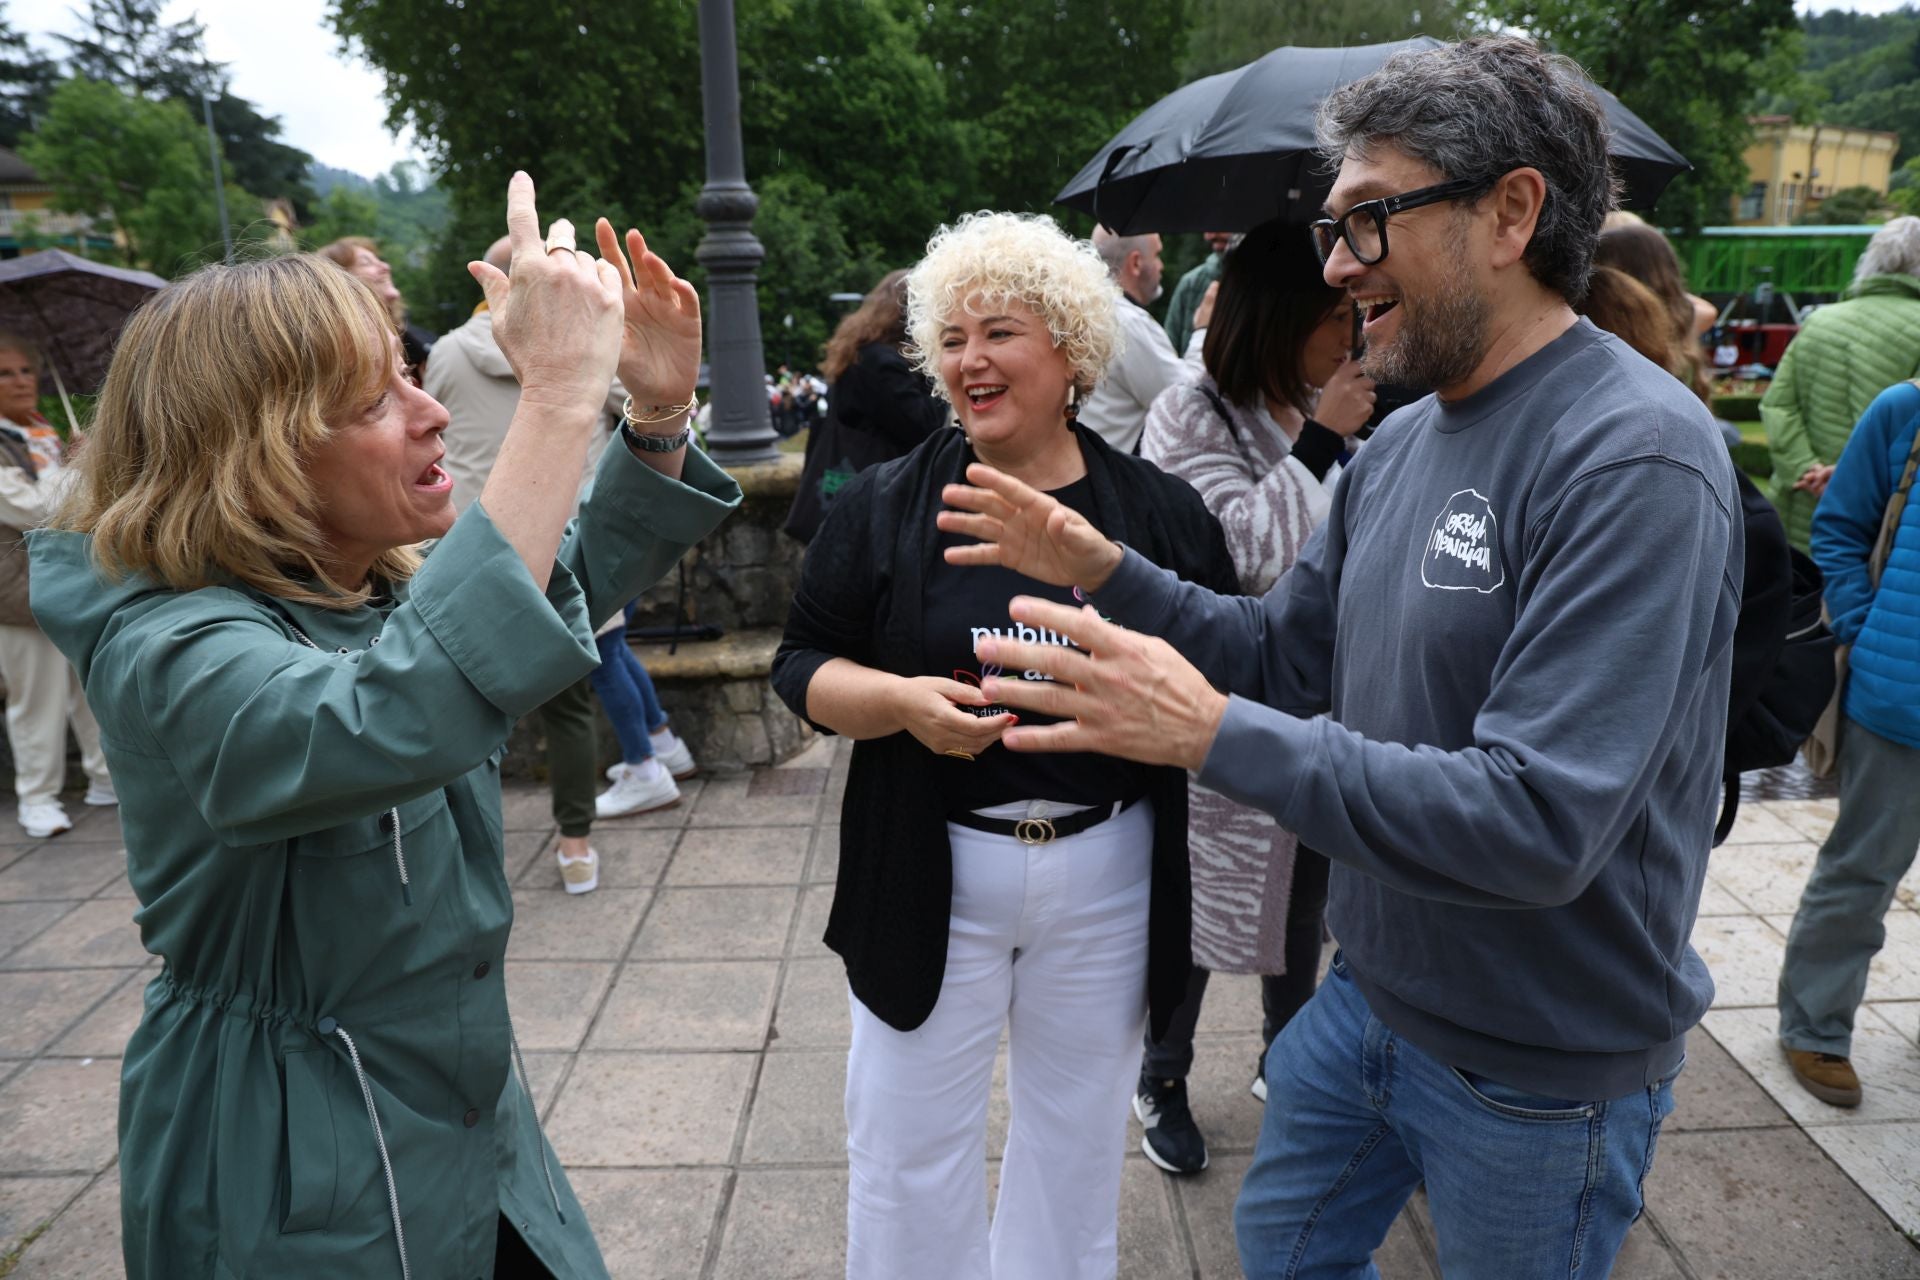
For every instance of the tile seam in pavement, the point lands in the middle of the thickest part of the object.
(47, 1224)
(722, 1210)
(619, 965)
(73, 904)
(1674, 1252)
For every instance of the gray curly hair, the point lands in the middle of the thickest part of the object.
(1480, 109)
(1893, 251)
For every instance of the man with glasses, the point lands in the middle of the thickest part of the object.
(1493, 692)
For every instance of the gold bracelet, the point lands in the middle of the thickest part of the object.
(659, 412)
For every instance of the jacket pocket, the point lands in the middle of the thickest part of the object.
(313, 1159)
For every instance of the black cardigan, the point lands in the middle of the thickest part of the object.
(860, 597)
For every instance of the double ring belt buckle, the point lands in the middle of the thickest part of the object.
(1034, 831)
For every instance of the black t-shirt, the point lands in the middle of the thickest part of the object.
(963, 602)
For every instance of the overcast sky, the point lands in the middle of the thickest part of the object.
(286, 62)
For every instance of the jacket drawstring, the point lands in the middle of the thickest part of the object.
(400, 858)
(399, 851)
(380, 1141)
(539, 1134)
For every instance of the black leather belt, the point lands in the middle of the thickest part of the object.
(1043, 830)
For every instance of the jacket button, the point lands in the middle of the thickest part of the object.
(482, 969)
(325, 1026)
(386, 822)
(472, 1117)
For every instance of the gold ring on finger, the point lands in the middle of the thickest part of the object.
(560, 235)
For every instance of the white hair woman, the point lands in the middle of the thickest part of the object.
(305, 722)
(43, 694)
(979, 891)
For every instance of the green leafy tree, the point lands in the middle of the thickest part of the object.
(126, 43)
(1041, 85)
(1690, 70)
(27, 78)
(142, 164)
(1847, 207)
(1231, 33)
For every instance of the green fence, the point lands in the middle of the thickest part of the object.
(1803, 261)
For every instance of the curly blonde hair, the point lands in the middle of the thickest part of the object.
(221, 388)
(987, 259)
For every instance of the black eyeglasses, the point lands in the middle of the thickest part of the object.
(1364, 227)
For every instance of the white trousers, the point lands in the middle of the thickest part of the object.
(1050, 942)
(43, 691)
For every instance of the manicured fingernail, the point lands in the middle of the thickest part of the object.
(1012, 721)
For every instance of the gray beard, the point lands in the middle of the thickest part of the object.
(1441, 339)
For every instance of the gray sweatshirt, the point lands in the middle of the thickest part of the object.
(1520, 616)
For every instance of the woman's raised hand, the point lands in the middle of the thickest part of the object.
(660, 335)
(556, 313)
(1346, 402)
(1026, 531)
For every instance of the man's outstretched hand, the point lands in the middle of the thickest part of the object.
(1128, 695)
(1026, 531)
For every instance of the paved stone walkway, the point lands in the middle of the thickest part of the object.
(686, 1036)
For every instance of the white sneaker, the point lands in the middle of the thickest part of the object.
(675, 757)
(43, 820)
(580, 875)
(101, 795)
(640, 788)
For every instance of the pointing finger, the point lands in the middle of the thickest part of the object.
(523, 220)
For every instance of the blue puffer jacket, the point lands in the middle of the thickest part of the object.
(1883, 626)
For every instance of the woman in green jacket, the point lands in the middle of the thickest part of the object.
(305, 721)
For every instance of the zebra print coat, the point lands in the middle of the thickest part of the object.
(1239, 459)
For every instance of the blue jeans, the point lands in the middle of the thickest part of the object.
(626, 691)
(1357, 1118)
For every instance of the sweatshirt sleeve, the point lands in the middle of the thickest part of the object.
(1847, 522)
(1276, 649)
(1586, 702)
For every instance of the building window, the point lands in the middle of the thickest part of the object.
(1753, 205)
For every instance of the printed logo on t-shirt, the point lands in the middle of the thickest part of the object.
(1463, 551)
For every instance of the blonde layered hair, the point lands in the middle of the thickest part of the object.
(988, 259)
(223, 385)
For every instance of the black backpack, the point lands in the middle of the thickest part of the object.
(1783, 671)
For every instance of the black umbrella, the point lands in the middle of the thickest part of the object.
(1234, 150)
(74, 309)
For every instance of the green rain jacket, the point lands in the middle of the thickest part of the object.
(1846, 354)
(322, 1083)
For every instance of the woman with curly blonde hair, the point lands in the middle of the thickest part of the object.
(305, 719)
(980, 891)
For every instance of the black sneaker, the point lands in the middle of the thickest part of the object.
(1173, 1141)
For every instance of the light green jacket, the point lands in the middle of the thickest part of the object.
(314, 835)
(1846, 354)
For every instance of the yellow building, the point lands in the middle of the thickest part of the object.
(27, 224)
(1793, 167)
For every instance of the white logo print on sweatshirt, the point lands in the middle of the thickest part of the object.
(1463, 551)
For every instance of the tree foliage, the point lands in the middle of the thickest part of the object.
(142, 163)
(865, 123)
(1691, 70)
(27, 78)
(1231, 33)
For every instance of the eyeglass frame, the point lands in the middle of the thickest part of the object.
(1385, 207)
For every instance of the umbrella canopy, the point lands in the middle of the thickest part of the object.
(1234, 150)
(74, 309)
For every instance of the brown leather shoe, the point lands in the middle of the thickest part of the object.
(1827, 1076)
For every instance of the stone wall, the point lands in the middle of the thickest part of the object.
(715, 692)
